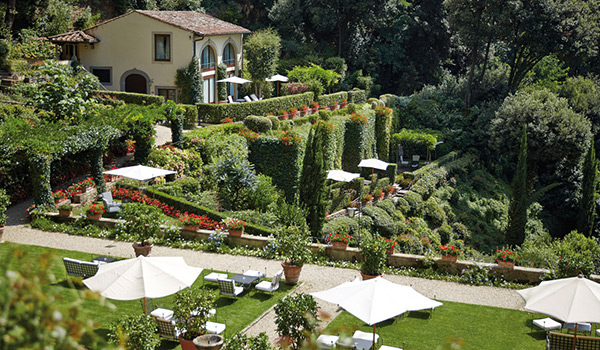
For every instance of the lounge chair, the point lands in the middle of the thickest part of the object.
(166, 328)
(404, 162)
(254, 98)
(109, 204)
(415, 161)
(386, 347)
(214, 327)
(228, 288)
(230, 99)
(215, 277)
(547, 324)
(247, 99)
(326, 341)
(270, 287)
(80, 268)
(363, 340)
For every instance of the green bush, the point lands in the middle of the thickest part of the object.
(387, 205)
(214, 113)
(264, 196)
(357, 96)
(359, 139)
(258, 124)
(415, 203)
(329, 99)
(139, 332)
(190, 116)
(413, 142)
(577, 254)
(342, 224)
(274, 121)
(296, 317)
(383, 132)
(382, 221)
(133, 98)
(373, 255)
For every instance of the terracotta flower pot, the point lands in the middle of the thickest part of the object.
(339, 245)
(450, 258)
(64, 212)
(186, 344)
(390, 251)
(235, 233)
(291, 272)
(506, 264)
(191, 227)
(94, 216)
(368, 277)
(142, 249)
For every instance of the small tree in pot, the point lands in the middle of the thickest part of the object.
(192, 310)
(135, 332)
(295, 317)
(294, 245)
(143, 221)
(373, 252)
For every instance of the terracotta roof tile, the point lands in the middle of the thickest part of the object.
(73, 37)
(199, 23)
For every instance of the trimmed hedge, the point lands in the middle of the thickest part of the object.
(214, 113)
(227, 129)
(281, 162)
(326, 100)
(414, 142)
(182, 205)
(133, 98)
(357, 96)
(190, 116)
(359, 141)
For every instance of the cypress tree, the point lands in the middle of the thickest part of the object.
(587, 205)
(517, 210)
(312, 183)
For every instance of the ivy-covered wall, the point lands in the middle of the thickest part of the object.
(272, 157)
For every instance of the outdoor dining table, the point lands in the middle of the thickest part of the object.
(245, 280)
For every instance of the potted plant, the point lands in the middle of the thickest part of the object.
(450, 252)
(506, 258)
(296, 317)
(333, 106)
(340, 240)
(294, 244)
(373, 256)
(137, 331)
(4, 203)
(366, 198)
(190, 222)
(235, 227)
(390, 245)
(389, 190)
(379, 194)
(192, 310)
(59, 196)
(314, 106)
(305, 110)
(95, 211)
(87, 184)
(143, 221)
(344, 103)
(293, 112)
(65, 210)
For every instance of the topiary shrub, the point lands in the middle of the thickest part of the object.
(258, 124)
(415, 203)
(325, 115)
(274, 121)
(387, 205)
(342, 224)
(577, 254)
(382, 221)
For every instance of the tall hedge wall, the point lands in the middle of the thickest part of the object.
(133, 98)
(190, 116)
(359, 141)
(281, 162)
(214, 113)
(182, 205)
(357, 96)
(331, 98)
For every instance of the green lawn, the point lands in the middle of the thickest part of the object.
(236, 313)
(480, 327)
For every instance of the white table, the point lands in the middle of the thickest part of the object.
(165, 314)
(363, 340)
(581, 327)
(547, 324)
(327, 341)
(385, 347)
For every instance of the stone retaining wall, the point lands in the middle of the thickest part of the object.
(520, 274)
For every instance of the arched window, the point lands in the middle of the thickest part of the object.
(208, 58)
(229, 55)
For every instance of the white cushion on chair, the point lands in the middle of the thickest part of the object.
(266, 286)
(214, 277)
(547, 324)
(385, 347)
(326, 341)
(254, 273)
(363, 340)
(214, 327)
(162, 313)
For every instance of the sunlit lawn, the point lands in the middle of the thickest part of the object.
(235, 313)
(480, 327)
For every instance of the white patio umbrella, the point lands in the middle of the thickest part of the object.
(373, 163)
(234, 80)
(340, 175)
(139, 172)
(278, 78)
(142, 277)
(571, 300)
(376, 300)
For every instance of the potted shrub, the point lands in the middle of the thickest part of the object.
(143, 221)
(379, 194)
(293, 112)
(304, 110)
(389, 190)
(87, 184)
(192, 310)
(506, 258)
(296, 317)
(314, 106)
(190, 222)
(137, 331)
(294, 244)
(373, 256)
(366, 198)
(235, 227)
(65, 210)
(344, 103)
(95, 211)
(450, 252)
(340, 240)
(390, 245)
(4, 203)
(59, 196)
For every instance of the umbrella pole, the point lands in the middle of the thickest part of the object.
(373, 337)
(145, 312)
(575, 338)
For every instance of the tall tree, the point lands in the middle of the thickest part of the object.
(517, 210)
(261, 53)
(312, 183)
(587, 204)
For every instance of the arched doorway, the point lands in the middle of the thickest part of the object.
(136, 83)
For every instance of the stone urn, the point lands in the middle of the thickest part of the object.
(208, 342)
(142, 249)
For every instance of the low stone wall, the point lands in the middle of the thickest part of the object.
(520, 274)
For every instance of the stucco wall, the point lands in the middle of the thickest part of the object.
(127, 44)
